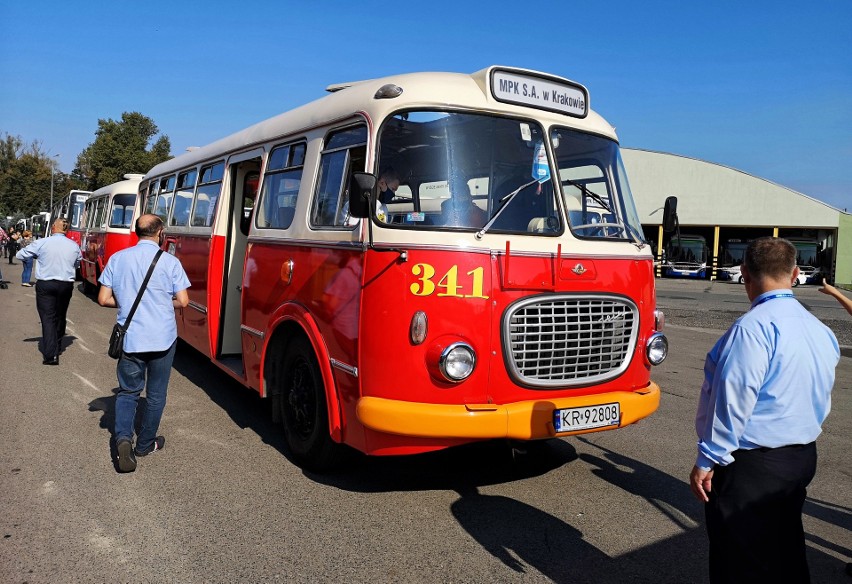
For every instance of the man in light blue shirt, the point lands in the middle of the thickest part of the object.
(58, 259)
(766, 392)
(149, 345)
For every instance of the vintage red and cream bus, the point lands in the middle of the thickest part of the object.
(71, 207)
(430, 259)
(108, 222)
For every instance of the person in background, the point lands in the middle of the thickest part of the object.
(27, 272)
(4, 240)
(766, 392)
(12, 246)
(832, 291)
(460, 210)
(58, 258)
(149, 346)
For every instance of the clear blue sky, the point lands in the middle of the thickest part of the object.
(761, 86)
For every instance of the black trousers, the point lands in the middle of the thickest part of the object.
(754, 516)
(52, 300)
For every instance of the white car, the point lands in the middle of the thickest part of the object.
(735, 275)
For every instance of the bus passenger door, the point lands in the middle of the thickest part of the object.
(242, 178)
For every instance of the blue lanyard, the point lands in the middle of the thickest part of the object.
(772, 297)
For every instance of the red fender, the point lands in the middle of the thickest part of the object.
(298, 314)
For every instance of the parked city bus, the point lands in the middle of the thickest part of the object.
(502, 290)
(808, 259)
(40, 224)
(71, 207)
(731, 257)
(108, 219)
(686, 257)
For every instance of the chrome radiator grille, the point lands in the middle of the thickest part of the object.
(569, 339)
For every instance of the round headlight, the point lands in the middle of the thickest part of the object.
(657, 348)
(457, 362)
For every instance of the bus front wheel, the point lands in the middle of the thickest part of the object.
(304, 410)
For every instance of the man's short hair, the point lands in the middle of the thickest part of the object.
(60, 225)
(770, 257)
(148, 225)
(389, 174)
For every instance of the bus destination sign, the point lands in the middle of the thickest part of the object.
(540, 93)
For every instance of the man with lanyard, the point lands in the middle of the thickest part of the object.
(58, 258)
(149, 345)
(766, 392)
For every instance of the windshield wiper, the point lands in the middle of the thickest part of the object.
(504, 204)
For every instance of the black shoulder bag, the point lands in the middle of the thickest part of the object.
(116, 338)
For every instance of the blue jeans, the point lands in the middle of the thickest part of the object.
(28, 271)
(131, 370)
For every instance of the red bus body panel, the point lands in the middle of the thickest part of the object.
(99, 247)
(202, 267)
(357, 308)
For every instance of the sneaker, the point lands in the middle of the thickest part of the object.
(126, 459)
(27, 284)
(159, 444)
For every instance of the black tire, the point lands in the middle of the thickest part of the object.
(795, 283)
(304, 410)
(740, 280)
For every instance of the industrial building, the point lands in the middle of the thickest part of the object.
(721, 208)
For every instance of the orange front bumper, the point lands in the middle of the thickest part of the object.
(526, 420)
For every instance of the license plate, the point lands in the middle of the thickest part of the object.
(586, 418)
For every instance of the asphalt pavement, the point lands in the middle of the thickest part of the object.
(224, 503)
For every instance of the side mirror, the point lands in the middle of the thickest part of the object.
(361, 192)
(670, 214)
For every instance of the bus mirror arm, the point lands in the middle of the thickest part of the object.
(362, 198)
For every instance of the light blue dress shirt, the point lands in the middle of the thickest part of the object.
(58, 257)
(767, 381)
(153, 327)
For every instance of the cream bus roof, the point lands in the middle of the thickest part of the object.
(419, 90)
(128, 186)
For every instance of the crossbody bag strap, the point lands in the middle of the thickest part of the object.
(142, 289)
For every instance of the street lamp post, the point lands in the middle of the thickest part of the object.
(52, 170)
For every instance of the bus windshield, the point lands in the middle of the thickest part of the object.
(597, 197)
(464, 171)
(77, 214)
(690, 251)
(806, 253)
(456, 171)
(733, 253)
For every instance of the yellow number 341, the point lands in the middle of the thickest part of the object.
(448, 284)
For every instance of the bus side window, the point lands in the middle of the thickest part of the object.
(207, 195)
(281, 183)
(151, 200)
(345, 152)
(165, 198)
(280, 192)
(183, 198)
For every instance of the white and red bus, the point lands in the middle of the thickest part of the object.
(504, 290)
(108, 220)
(71, 207)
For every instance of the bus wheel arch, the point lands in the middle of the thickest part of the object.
(303, 396)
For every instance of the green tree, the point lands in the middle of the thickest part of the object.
(121, 147)
(25, 175)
